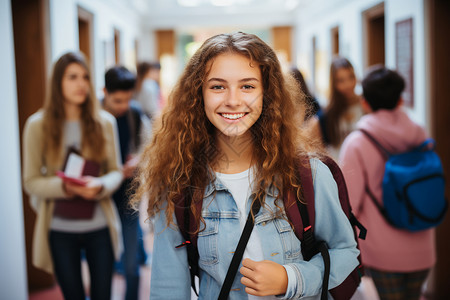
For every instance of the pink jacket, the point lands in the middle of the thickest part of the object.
(385, 247)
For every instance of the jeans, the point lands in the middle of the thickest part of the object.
(66, 249)
(132, 240)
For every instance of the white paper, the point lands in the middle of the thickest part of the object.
(75, 165)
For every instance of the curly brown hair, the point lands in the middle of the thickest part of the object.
(184, 144)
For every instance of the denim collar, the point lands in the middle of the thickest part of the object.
(217, 185)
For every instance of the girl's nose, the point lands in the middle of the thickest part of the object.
(233, 98)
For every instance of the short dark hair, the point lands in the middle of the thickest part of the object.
(119, 78)
(382, 88)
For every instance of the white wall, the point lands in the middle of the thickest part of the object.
(13, 283)
(108, 15)
(318, 18)
(399, 10)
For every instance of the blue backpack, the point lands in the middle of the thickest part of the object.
(413, 187)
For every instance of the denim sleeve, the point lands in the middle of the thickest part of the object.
(170, 271)
(332, 226)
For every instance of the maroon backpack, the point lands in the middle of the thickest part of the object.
(302, 217)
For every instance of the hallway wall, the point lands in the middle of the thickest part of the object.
(12, 252)
(108, 15)
(317, 20)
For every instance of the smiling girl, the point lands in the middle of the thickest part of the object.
(71, 118)
(230, 135)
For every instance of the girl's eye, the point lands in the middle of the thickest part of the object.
(217, 87)
(248, 87)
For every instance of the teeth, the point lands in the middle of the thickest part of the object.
(233, 116)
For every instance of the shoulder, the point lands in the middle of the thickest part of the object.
(136, 110)
(320, 170)
(353, 142)
(106, 117)
(135, 106)
(36, 118)
(35, 122)
(107, 120)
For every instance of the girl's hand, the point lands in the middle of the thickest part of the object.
(88, 191)
(263, 278)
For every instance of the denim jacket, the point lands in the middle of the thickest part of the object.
(217, 242)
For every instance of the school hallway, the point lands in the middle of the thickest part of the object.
(405, 35)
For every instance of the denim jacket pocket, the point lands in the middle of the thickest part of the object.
(290, 242)
(207, 241)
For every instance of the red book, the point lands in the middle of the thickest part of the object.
(76, 207)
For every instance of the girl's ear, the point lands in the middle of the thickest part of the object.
(365, 106)
(400, 102)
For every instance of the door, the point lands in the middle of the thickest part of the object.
(31, 43)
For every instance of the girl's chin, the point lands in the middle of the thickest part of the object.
(235, 134)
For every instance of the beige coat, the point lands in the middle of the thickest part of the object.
(41, 183)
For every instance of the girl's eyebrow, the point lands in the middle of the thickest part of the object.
(241, 80)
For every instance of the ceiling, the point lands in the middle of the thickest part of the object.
(185, 14)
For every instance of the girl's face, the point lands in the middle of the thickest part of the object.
(75, 84)
(233, 94)
(345, 82)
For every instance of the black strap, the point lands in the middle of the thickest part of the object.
(239, 253)
(362, 230)
(310, 248)
(323, 248)
(322, 116)
(192, 250)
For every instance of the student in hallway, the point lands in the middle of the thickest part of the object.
(148, 90)
(312, 105)
(229, 135)
(397, 260)
(338, 118)
(134, 130)
(73, 218)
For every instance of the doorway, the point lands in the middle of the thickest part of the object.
(31, 44)
(85, 25)
(438, 74)
(373, 36)
(334, 41)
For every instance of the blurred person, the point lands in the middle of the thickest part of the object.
(148, 91)
(75, 217)
(343, 110)
(312, 105)
(230, 135)
(397, 260)
(133, 127)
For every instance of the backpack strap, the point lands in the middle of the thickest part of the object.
(347, 288)
(135, 115)
(322, 116)
(188, 229)
(343, 194)
(302, 215)
(372, 197)
(386, 154)
(239, 252)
